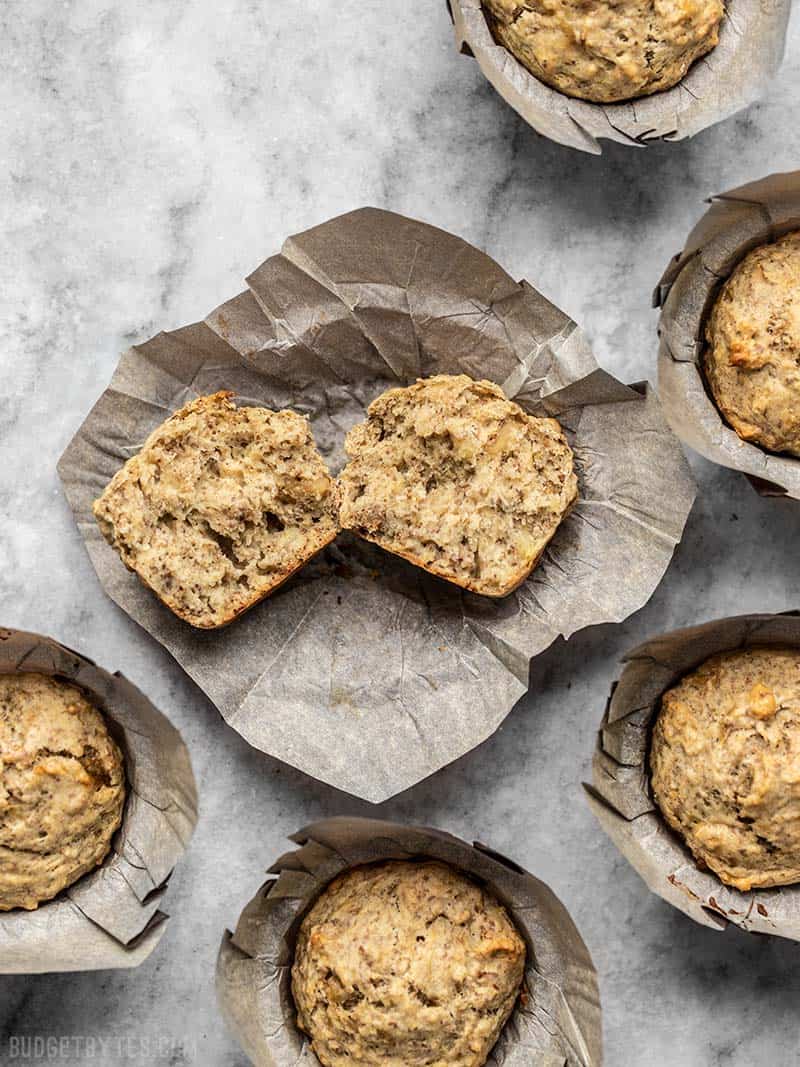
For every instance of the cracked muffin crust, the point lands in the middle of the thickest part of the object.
(451, 475)
(62, 788)
(607, 50)
(221, 506)
(405, 964)
(752, 360)
(725, 765)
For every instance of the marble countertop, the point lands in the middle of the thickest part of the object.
(154, 154)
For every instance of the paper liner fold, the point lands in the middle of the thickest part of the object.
(365, 671)
(620, 795)
(735, 223)
(733, 75)
(558, 1025)
(110, 917)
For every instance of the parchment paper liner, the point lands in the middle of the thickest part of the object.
(620, 796)
(749, 53)
(109, 918)
(560, 1024)
(364, 671)
(736, 222)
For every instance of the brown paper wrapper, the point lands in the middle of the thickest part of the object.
(559, 1024)
(620, 796)
(735, 223)
(110, 917)
(733, 75)
(365, 671)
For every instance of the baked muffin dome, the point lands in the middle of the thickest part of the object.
(607, 50)
(725, 765)
(404, 964)
(62, 788)
(752, 362)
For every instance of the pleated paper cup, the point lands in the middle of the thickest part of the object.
(735, 223)
(363, 670)
(620, 794)
(557, 1022)
(733, 75)
(110, 917)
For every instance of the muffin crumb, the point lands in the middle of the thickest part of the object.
(220, 507)
(451, 475)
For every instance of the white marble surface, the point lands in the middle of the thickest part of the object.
(153, 155)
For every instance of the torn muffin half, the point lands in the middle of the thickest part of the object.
(454, 477)
(220, 507)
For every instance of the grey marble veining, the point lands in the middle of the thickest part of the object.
(153, 154)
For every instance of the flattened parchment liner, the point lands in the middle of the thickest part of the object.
(110, 917)
(734, 74)
(736, 222)
(364, 671)
(559, 1025)
(620, 795)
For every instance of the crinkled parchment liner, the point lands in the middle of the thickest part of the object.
(620, 796)
(559, 1025)
(736, 222)
(365, 671)
(749, 53)
(109, 918)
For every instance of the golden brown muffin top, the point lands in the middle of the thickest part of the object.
(607, 50)
(752, 362)
(725, 765)
(62, 788)
(404, 964)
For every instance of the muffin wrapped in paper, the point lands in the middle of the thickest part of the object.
(621, 796)
(736, 222)
(556, 1021)
(750, 49)
(363, 670)
(111, 916)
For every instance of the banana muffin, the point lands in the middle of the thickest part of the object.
(405, 964)
(725, 765)
(607, 50)
(752, 359)
(221, 506)
(451, 475)
(62, 788)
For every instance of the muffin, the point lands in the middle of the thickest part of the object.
(220, 507)
(752, 359)
(62, 788)
(725, 765)
(405, 964)
(451, 475)
(606, 50)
